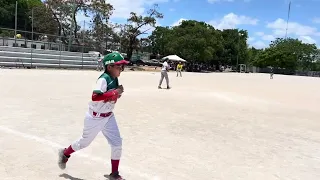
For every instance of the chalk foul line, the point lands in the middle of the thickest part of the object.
(80, 154)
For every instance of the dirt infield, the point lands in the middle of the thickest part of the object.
(215, 126)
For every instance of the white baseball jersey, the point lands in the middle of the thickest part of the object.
(165, 66)
(104, 83)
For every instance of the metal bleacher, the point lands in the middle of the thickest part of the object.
(42, 58)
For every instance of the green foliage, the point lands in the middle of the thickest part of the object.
(136, 26)
(192, 40)
(315, 66)
(65, 14)
(289, 54)
(5, 33)
(7, 13)
(201, 42)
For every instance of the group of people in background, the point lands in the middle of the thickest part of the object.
(166, 66)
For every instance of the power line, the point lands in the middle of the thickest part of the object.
(289, 9)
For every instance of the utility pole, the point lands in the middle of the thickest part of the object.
(32, 23)
(83, 34)
(72, 24)
(31, 35)
(289, 9)
(15, 24)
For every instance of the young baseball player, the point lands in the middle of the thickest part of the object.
(100, 117)
(164, 74)
(179, 68)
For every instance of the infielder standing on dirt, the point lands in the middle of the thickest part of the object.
(164, 74)
(179, 69)
(100, 116)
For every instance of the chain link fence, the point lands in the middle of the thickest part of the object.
(27, 39)
(34, 50)
(287, 72)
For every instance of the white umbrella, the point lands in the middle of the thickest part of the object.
(174, 58)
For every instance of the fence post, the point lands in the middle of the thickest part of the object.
(60, 47)
(15, 23)
(31, 37)
(82, 57)
(31, 51)
(84, 29)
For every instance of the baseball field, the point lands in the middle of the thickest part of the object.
(218, 126)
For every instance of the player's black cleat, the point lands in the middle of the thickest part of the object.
(115, 176)
(62, 159)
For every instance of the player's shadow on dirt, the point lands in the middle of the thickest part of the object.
(67, 176)
(165, 88)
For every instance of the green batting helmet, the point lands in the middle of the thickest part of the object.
(114, 58)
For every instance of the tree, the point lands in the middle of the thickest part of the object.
(253, 54)
(197, 41)
(136, 26)
(65, 14)
(43, 21)
(201, 42)
(235, 46)
(101, 30)
(289, 54)
(7, 13)
(160, 38)
(7, 10)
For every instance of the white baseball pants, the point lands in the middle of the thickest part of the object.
(164, 74)
(109, 128)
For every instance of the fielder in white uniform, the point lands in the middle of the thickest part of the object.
(164, 74)
(100, 117)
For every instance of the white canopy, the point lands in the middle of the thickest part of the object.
(174, 58)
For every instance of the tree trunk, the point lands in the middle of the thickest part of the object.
(106, 41)
(129, 53)
(130, 48)
(58, 21)
(75, 30)
(59, 29)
